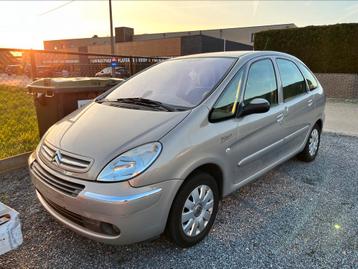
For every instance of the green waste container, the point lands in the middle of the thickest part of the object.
(57, 97)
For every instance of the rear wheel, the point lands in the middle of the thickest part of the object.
(310, 151)
(194, 210)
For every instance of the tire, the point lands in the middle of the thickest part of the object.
(186, 234)
(310, 151)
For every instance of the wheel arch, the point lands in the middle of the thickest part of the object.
(319, 122)
(214, 170)
(209, 167)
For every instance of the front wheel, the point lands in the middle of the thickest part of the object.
(310, 151)
(194, 210)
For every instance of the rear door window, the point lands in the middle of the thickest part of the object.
(311, 81)
(293, 82)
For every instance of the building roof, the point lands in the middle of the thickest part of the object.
(172, 34)
(194, 32)
(237, 54)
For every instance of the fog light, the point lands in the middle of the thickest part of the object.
(109, 229)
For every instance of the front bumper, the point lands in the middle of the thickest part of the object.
(137, 214)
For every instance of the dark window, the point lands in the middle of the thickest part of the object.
(225, 106)
(292, 80)
(261, 82)
(312, 82)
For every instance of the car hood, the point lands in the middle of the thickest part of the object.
(102, 132)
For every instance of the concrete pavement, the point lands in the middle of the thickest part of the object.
(341, 117)
(14, 80)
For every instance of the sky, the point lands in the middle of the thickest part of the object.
(25, 24)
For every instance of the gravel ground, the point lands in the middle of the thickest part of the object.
(297, 216)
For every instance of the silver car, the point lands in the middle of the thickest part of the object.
(159, 151)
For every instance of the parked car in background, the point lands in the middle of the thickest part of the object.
(119, 72)
(14, 69)
(160, 150)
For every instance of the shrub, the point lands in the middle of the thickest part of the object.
(325, 49)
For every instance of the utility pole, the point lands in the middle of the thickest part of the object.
(112, 39)
(111, 25)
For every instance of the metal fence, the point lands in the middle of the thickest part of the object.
(19, 67)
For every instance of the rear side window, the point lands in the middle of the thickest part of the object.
(261, 82)
(292, 80)
(312, 82)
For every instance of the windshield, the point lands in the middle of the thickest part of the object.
(181, 82)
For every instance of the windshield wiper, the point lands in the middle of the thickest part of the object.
(143, 102)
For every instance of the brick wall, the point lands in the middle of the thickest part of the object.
(339, 85)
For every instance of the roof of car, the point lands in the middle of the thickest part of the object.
(237, 54)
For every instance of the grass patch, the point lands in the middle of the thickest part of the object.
(4, 198)
(18, 122)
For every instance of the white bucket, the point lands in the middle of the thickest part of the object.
(10, 229)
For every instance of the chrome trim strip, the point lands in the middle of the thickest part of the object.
(262, 151)
(120, 199)
(264, 170)
(296, 133)
(65, 160)
(47, 151)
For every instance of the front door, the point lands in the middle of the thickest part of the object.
(259, 135)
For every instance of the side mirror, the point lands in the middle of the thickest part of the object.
(257, 105)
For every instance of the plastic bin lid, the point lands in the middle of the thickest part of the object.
(50, 86)
(73, 84)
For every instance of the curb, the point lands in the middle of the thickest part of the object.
(14, 162)
(349, 134)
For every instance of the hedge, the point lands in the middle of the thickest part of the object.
(324, 49)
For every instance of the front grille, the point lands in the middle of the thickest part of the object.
(91, 224)
(64, 160)
(64, 186)
(78, 219)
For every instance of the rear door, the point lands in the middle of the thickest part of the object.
(298, 105)
(259, 135)
(315, 93)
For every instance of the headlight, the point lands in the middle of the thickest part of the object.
(131, 163)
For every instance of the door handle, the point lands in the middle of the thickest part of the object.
(279, 117)
(310, 102)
